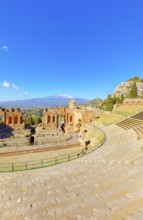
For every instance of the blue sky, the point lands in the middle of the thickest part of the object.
(81, 48)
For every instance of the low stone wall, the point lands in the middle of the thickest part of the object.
(72, 141)
(51, 139)
(22, 137)
(14, 141)
(93, 136)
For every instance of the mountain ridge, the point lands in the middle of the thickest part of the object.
(55, 100)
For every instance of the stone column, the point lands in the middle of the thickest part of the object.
(18, 120)
(59, 119)
(12, 119)
(65, 120)
(4, 117)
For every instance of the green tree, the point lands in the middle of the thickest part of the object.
(133, 93)
(141, 80)
(33, 120)
(37, 120)
(122, 98)
(109, 103)
(29, 120)
(116, 100)
(0, 120)
(134, 79)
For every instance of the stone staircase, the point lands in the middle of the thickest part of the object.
(130, 123)
(138, 115)
(104, 185)
(133, 123)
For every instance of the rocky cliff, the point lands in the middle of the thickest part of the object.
(125, 88)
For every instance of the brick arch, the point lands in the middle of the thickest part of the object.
(48, 119)
(15, 119)
(10, 120)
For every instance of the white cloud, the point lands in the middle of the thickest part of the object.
(26, 93)
(9, 85)
(4, 48)
(65, 96)
(14, 87)
(6, 84)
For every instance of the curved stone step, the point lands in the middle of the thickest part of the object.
(106, 184)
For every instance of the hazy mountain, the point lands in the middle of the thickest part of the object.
(96, 101)
(56, 100)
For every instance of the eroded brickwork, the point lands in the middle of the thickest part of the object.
(133, 101)
(71, 117)
(12, 117)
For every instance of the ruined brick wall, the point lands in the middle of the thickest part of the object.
(50, 119)
(78, 116)
(133, 102)
(89, 116)
(12, 117)
(70, 118)
(53, 118)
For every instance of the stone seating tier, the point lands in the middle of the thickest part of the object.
(106, 184)
(138, 116)
(130, 123)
